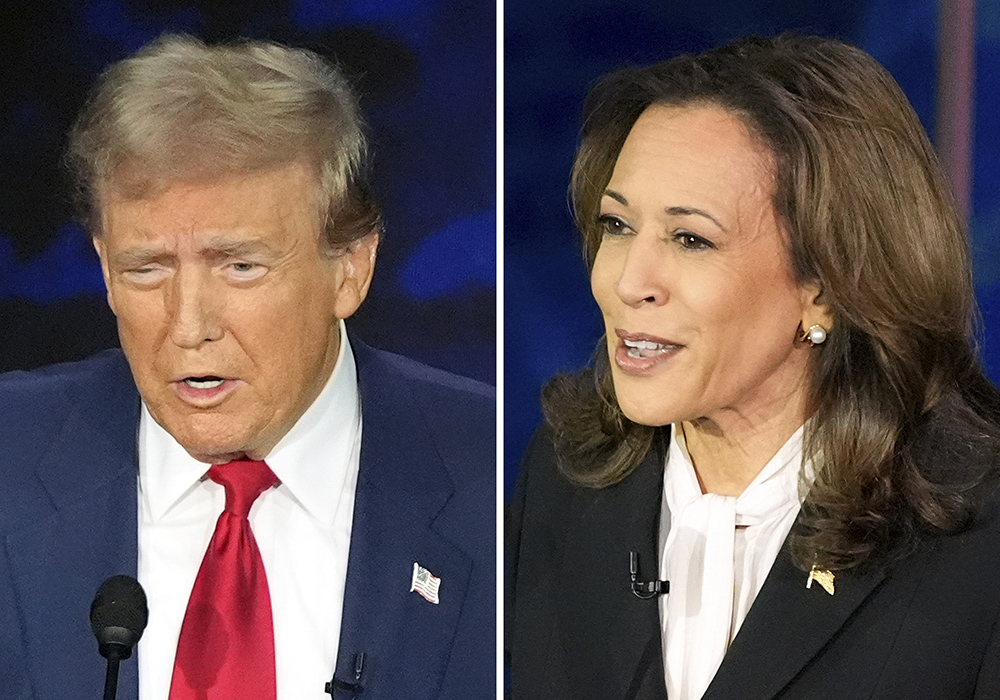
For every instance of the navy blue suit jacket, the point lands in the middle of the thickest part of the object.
(68, 520)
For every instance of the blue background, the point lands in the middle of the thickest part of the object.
(555, 49)
(426, 73)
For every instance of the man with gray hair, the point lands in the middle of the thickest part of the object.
(308, 516)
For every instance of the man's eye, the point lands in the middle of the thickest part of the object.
(243, 271)
(612, 225)
(146, 275)
(142, 270)
(692, 241)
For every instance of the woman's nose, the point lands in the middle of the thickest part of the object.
(642, 276)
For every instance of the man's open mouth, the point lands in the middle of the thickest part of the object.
(209, 382)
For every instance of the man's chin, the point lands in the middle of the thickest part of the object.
(212, 452)
(218, 458)
(214, 444)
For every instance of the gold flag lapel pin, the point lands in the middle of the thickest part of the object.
(822, 577)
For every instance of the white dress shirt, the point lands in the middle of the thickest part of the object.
(302, 527)
(716, 552)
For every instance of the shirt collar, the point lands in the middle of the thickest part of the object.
(313, 460)
(316, 457)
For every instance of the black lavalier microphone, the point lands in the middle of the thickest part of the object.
(644, 589)
(118, 617)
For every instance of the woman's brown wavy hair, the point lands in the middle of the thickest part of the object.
(869, 217)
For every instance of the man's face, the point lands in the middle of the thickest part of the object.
(228, 305)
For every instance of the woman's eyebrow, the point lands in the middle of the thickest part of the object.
(620, 198)
(693, 211)
(672, 211)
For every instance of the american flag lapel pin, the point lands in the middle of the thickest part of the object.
(822, 577)
(425, 583)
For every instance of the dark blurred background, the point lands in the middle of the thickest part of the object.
(426, 73)
(555, 49)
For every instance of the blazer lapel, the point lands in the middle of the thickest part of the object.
(610, 637)
(83, 530)
(401, 502)
(787, 626)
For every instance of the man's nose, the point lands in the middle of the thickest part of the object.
(194, 309)
(642, 279)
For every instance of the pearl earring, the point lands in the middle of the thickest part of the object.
(814, 335)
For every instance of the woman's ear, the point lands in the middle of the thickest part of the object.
(815, 309)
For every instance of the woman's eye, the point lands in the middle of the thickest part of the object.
(692, 241)
(612, 225)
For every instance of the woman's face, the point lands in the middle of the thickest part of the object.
(693, 277)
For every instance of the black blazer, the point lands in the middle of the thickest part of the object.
(924, 628)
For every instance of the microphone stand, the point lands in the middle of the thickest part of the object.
(111, 679)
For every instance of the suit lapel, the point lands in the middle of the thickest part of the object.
(84, 531)
(402, 497)
(786, 627)
(610, 638)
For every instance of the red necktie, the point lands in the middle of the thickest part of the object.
(226, 646)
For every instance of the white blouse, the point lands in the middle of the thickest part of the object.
(716, 552)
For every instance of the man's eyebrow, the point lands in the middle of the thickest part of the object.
(672, 211)
(137, 257)
(223, 247)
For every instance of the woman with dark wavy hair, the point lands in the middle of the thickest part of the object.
(787, 420)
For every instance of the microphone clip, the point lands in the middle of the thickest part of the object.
(644, 590)
(354, 688)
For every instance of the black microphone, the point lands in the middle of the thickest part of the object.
(644, 589)
(118, 617)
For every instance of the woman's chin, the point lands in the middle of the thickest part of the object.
(646, 412)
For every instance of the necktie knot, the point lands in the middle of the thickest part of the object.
(244, 480)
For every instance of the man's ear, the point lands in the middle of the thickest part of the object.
(357, 265)
(102, 253)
